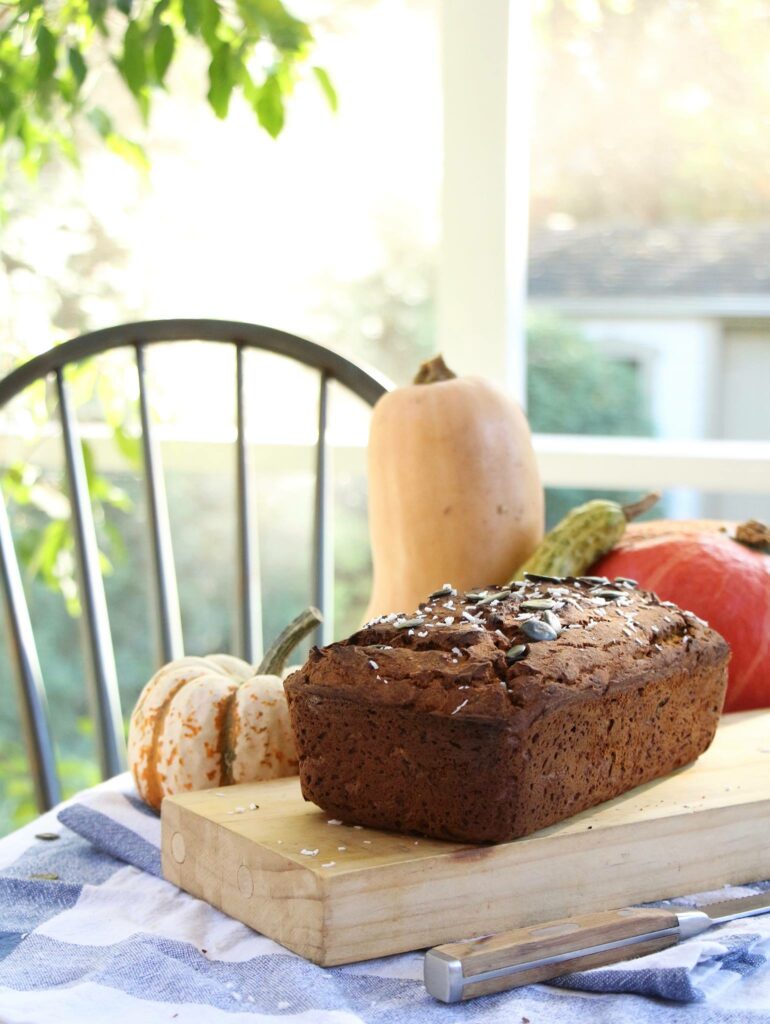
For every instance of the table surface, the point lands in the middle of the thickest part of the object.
(105, 940)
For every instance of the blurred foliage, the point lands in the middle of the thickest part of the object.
(46, 543)
(17, 795)
(52, 57)
(200, 506)
(573, 388)
(386, 318)
(651, 109)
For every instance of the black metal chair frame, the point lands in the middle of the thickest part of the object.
(100, 658)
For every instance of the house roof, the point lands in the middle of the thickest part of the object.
(592, 262)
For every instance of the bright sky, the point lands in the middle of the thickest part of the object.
(237, 225)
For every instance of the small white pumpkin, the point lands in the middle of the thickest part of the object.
(202, 722)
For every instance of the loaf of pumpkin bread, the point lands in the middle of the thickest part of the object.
(487, 715)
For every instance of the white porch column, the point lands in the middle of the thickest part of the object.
(482, 256)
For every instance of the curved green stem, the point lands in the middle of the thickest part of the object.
(279, 650)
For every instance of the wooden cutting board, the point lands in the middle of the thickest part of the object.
(338, 893)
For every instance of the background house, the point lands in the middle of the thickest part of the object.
(688, 307)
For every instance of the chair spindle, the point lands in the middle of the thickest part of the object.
(323, 540)
(249, 616)
(100, 656)
(169, 642)
(33, 706)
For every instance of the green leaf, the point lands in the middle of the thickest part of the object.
(27, 544)
(77, 65)
(220, 81)
(18, 481)
(210, 18)
(327, 88)
(85, 726)
(46, 54)
(130, 151)
(248, 88)
(82, 378)
(133, 63)
(100, 120)
(286, 32)
(159, 10)
(55, 538)
(97, 10)
(192, 13)
(101, 490)
(89, 462)
(67, 147)
(124, 6)
(8, 100)
(118, 548)
(270, 109)
(50, 500)
(129, 446)
(67, 90)
(163, 51)
(144, 103)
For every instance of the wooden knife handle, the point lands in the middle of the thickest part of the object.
(464, 970)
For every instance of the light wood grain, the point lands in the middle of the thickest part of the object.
(700, 828)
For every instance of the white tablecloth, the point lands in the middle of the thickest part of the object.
(108, 940)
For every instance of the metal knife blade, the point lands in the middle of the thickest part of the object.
(732, 910)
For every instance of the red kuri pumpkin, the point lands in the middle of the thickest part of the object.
(697, 565)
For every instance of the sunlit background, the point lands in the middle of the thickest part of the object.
(649, 297)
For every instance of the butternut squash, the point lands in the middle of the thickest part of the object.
(454, 490)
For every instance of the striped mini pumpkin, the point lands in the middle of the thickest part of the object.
(202, 722)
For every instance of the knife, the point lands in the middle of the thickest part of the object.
(463, 970)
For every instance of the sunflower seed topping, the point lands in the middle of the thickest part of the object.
(538, 604)
(418, 620)
(516, 653)
(536, 629)
(553, 621)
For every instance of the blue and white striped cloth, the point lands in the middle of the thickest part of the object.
(109, 941)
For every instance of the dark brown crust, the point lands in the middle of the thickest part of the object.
(443, 738)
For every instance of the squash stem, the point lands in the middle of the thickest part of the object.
(753, 534)
(279, 650)
(637, 508)
(432, 371)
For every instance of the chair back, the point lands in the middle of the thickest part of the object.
(98, 647)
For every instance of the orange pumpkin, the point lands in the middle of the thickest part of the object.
(214, 721)
(697, 565)
(454, 490)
